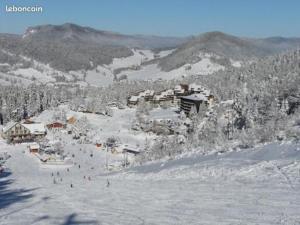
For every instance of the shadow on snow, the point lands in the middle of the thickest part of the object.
(71, 220)
(9, 196)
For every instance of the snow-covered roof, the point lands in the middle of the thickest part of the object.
(196, 97)
(158, 97)
(227, 102)
(178, 89)
(149, 92)
(130, 149)
(206, 92)
(168, 92)
(8, 126)
(35, 128)
(195, 87)
(142, 94)
(134, 98)
(34, 146)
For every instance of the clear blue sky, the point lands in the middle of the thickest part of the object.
(253, 18)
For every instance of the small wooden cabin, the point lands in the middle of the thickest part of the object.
(34, 148)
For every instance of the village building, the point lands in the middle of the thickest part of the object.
(132, 101)
(146, 95)
(172, 95)
(131, 150)
(167, 95)
(56, 125)
(195, 88)
(34, 148)
(21, 132)
(199, 96)
(181, 90)
(196, 101)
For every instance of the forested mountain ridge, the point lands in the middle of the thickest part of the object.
(70, 47)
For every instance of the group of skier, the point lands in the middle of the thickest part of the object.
(59, 178)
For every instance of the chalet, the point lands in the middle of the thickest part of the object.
(56, 125)
(21, 132)
(132, 100)
(34, 148)
(125, 148)
(131, 150)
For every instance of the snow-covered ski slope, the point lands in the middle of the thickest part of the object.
(255, 186)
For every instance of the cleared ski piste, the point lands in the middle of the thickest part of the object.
(255, 186)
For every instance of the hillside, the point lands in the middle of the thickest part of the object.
(71, 47)
(257, 186)
(85, 56)
(226, 47)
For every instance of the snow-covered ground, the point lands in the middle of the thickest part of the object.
(31, 73)
(103, 76)
(153, 72)
(255, 186)
(103, 127)
(136, 59)
(130, 66)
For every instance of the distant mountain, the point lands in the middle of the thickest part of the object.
(71, 47)
(226, 47)
(75, 33)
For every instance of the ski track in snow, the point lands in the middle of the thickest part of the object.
(259, 186)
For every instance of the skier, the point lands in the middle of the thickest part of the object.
(68, 169)
(79, 166)
(71, 185)
(57, 173)
(52, 174)
(107, 183)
